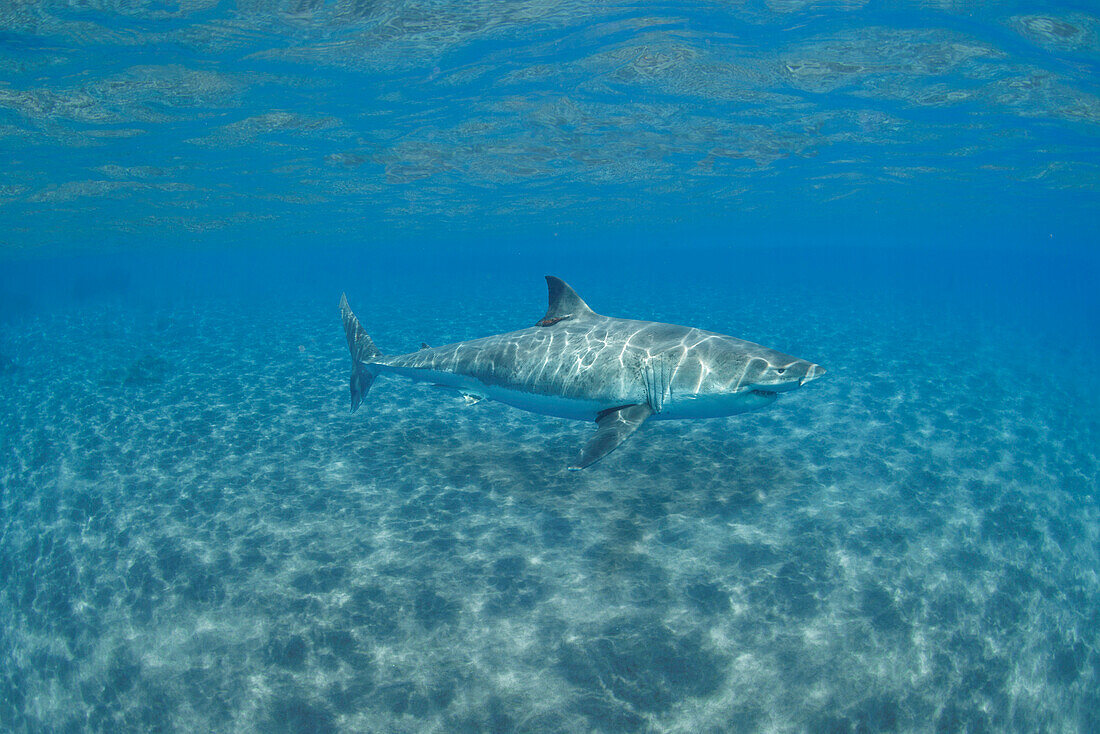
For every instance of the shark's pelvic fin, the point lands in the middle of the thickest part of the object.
(362, 352)
(612, 428)
(564, 303)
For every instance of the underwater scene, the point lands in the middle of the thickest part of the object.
(801, 433)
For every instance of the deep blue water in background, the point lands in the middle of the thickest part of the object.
(196, 535)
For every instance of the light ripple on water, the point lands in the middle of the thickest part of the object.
(480, 116)
(198, 535)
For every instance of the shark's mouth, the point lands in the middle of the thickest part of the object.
(765, 393)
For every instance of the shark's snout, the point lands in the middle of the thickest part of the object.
(790, 376)
(813, 372)
(784, 376)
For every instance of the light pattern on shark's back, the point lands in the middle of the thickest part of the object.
(578, 364)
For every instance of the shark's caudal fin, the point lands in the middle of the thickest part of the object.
(362, 352)
(564, 303)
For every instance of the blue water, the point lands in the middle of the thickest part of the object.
(197, 535)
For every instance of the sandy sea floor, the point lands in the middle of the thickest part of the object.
(198, 536)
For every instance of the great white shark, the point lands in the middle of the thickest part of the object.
(577, 364)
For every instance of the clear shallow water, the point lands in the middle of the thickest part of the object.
(197, 535)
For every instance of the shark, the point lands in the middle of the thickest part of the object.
(576, 364)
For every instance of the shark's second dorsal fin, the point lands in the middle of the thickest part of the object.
(564, 303)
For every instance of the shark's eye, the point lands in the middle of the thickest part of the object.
(780, 370)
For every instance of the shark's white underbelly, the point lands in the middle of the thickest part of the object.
(552, 405)
(688, 405)
(675, 406)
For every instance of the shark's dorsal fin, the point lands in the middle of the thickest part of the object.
(564, 303)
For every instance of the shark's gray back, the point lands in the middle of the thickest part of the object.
(613, 360)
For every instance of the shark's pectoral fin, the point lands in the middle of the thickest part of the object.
(612, 428)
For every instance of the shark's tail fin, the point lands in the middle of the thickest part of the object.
(363, 352)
